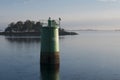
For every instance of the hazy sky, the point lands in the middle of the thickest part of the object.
(75, 14)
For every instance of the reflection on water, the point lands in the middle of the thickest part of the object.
(23, 39)
(49, 72)
(88, 56)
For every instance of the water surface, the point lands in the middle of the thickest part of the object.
(91, 55)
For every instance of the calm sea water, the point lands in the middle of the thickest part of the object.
(91, 55)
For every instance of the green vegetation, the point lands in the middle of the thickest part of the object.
(29, 28)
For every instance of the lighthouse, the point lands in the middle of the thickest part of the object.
(50, 43)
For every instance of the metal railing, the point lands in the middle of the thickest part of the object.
(45, 22)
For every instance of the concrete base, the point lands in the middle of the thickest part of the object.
(49, 58)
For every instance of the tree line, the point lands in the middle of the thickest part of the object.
(27, 26)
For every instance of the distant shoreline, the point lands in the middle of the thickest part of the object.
(94, 30)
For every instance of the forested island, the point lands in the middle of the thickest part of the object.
(29, 28)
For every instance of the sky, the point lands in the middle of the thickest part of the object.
(75, 14)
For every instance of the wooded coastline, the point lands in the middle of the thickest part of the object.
(29, 28)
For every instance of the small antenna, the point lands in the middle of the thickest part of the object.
(59, 23)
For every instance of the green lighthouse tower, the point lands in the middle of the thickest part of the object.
(50, 43)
